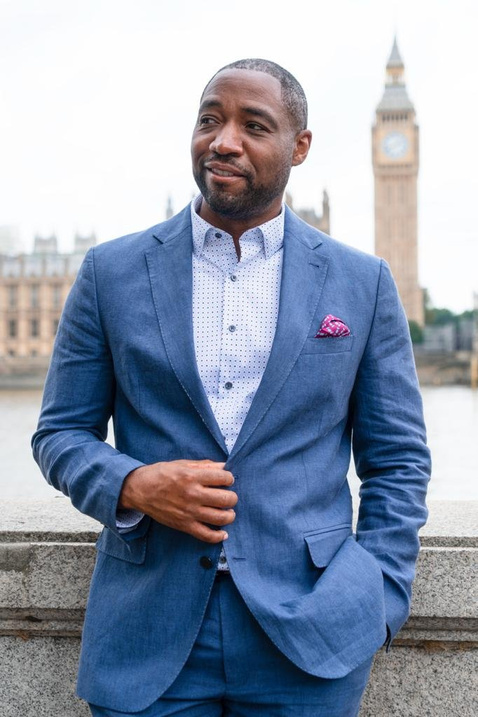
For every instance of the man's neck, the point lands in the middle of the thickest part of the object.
(237, 227)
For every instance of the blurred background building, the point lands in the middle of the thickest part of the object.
(309, 215)
(395, 158)
(33, 289)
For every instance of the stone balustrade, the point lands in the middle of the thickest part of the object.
(46, 558)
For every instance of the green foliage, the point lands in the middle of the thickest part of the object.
(441, 316)
(416, 332)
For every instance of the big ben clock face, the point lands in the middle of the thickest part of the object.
(395, 145)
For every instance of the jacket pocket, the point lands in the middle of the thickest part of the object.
(324, 543)
(329, 345)
(133, 551)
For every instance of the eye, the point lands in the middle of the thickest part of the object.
(206, 120)
(256, 127)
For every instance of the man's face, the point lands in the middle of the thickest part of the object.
(243, 146)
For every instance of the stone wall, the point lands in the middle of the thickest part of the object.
(47, 554)
(443, 369)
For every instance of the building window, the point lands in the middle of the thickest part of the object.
(12, 296)
(33, 353)
(11, 352)
(56, 295)
(34, 296)
(35, 328)
(12, 329)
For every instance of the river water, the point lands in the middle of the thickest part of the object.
(451, 413)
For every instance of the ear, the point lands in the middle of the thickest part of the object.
(303, 141)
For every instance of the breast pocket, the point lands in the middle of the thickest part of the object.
(330, 345)
(324, 543)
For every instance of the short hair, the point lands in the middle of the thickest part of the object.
(292, 93)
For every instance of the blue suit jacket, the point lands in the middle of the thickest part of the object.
(125, 348)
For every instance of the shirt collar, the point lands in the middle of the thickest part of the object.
(270, 234)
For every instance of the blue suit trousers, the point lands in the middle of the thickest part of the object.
(235, 670)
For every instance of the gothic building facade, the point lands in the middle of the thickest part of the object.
(319, 221)
(33, 289)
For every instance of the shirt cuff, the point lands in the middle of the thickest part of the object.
(127, 520)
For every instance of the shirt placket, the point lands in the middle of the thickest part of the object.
(227, 389)
(233, 336)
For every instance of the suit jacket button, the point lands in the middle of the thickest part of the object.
(205, 562)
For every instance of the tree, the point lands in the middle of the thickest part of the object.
(416, 332)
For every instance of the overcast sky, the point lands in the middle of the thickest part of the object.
(98, 99)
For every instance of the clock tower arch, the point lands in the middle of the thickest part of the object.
(395, 158)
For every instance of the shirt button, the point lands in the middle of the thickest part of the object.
(232, 329)
(222, 559)
(233, 277)
(228, 385)
(205, 562)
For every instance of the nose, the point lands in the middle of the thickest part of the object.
(227, 140)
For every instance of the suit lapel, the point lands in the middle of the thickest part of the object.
(303, 277)
(169, 265)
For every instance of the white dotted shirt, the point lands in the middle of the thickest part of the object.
(235, 306)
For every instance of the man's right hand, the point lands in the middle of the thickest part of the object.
(186, 495)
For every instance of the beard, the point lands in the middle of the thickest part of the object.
(252, 201)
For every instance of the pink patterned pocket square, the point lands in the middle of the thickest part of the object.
(332, 327)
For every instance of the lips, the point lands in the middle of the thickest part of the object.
(224, 171)
(221, 172)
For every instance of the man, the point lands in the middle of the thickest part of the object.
(240, 352)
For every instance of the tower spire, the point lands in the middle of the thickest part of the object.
(395, 67)
(169, 208)
(395, 96)
(395, 59)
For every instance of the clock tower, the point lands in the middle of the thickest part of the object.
(395, 167)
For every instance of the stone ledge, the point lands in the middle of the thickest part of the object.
(450, 524)
(43, 543)
(47, 554)
(46, 520)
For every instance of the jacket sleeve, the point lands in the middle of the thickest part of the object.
(390, 452)
(69, 444)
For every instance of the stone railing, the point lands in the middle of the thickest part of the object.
(47, 555)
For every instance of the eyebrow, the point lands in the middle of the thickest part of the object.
(254, 111)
